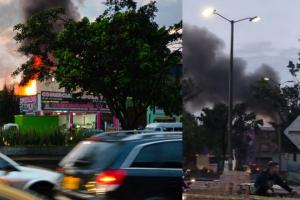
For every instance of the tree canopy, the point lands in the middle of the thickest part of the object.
(9, 105)
(123, 55)
(208, 132)
(281, 103)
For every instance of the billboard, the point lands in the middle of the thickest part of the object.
(63, 96)
(63, 101)
(28, 104)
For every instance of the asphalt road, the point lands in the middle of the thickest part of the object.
(197, 187)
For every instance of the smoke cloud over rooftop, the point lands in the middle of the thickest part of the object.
(206, 69)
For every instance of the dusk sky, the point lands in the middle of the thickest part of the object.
(170, 12)
(273, 41)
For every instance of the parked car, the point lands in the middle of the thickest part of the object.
(139, 167)
(10, 193)
(39, 180)
(10, 126)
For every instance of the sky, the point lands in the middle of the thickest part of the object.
(273, 41)
(170, 12)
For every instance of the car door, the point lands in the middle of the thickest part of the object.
(10, 174)
(155, 170)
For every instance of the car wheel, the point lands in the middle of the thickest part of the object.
(44, 189)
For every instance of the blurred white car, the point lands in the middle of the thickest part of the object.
(39, 180)
(10, 126)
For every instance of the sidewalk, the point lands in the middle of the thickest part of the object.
(191, 196)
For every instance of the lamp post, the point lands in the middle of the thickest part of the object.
(209, 12)
(278, 128)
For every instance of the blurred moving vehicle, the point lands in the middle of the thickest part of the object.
(39, 180)
(11, 127)
(139, 167)
(10, 193)
(165, 126)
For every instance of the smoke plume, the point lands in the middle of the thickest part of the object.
(30, 7)
(17, 11)
(206, 70)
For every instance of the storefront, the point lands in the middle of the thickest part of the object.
(86, 111)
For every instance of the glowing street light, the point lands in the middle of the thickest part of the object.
(255, 19)
(208, 12)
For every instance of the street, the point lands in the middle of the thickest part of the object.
(201, 188)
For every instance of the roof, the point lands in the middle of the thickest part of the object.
(155, 135)
(134, 135)
(160, 124)
(267, 128)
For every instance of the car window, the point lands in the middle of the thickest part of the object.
(88, 154)
(3, 163)
(160, 155)
(168, 129)
(177, 129)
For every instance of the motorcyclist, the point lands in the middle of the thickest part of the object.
(265, 181)
(186, 174)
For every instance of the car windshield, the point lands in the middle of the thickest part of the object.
(90, 154)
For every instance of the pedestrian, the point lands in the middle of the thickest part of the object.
(265, 181)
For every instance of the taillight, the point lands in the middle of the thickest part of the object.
(93, 139)
(111, 177)
(60, 169)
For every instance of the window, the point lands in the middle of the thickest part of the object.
(168, 129)
(160, 155)
(3, 164)
(177, 129)
(88, 154)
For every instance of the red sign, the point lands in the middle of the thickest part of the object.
(74, 106)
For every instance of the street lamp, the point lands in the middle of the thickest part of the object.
(278, 84)
(209, 12)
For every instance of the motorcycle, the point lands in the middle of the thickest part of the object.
(187, 180)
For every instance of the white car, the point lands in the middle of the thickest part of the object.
(39, 180)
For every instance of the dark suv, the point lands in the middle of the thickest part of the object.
(139, 167)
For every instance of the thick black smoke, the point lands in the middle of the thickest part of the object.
(30, 7)
(206, 71)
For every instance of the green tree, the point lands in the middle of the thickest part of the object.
(9, 105)
(214, 129)
(193, 141)
(281, 102)
(214, 123)
(124, 55)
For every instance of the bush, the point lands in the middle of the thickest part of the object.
(36, 138)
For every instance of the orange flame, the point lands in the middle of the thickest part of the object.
(26, 90)
(30, 88)
(37, 61)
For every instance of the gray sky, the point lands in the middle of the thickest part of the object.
(170, 12)
(273, 41)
